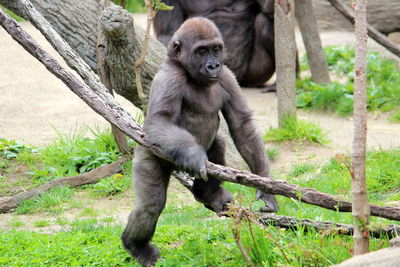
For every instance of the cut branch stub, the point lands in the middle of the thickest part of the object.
(124, 45)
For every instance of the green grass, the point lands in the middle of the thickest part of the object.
(300, 169)
(41, 223)
(296, 130)
(383, 84)
(134, 6)
(187, 233)
(11, 14)
(272, 153)
(46, 201)
(15, 223)
(72, 154)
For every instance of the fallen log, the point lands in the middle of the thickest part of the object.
(326, 227)
(104, 104)
(372, 32)
(91, 177)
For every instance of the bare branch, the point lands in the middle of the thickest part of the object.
(372, 32)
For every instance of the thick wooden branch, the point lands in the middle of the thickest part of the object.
(327, 227)
(372, 32)
(104, 104)
(91, 177)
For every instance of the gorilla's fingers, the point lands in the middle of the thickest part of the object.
(203, 174)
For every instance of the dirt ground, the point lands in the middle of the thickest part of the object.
(33, 104)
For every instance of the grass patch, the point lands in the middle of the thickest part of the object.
(113, 185)
(272, 153)
(46, 201)
(73, 154)
(15, 223)
(303, 168)
(296, 130)
(383, 78)
(41, 223)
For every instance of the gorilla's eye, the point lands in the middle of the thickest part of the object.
(202, 51)
(217, 49)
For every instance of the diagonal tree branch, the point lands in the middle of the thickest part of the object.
(372, 32)
(104, 104)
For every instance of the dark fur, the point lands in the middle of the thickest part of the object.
(187, 94)
(247, 28)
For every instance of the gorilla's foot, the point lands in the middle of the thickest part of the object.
(147, 255)
(219, 201)
(271, 204)
(269, 89)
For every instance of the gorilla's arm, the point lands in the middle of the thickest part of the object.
(245, 135)
(241, 126)
(161, 128)
(167, 22)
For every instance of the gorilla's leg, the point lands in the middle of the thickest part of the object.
(151, 178)
(211, 194)
(262, 63)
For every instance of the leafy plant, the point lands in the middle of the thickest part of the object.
(383, 79)
(113, 185)
(73, 154)
(296, 130)
(9, 149)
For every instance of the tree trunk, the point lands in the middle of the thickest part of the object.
(312, 42)
(76, 22)
(360, 208)
(104, 74)
(285, 55)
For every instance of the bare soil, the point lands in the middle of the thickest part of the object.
(34, 104)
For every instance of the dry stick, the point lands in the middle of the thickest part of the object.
(236, 236)
(91, 177)
(372, 32)
(105, 105)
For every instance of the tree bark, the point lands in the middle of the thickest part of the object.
(312, 42)
(285, 54)
(372, 32)
(76, 22)
(91, 177)
(104, 74)
(327, 227)
(360, 206)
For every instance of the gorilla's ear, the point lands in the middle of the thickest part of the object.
(177, 46)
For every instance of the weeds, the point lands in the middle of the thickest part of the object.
(296, 130)
(46, 201)
(383, 78)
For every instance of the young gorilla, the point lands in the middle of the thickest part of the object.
(187, 93)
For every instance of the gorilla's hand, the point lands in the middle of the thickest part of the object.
(194, 161)
(271, 204)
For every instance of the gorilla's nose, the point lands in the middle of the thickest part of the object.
(213, 67)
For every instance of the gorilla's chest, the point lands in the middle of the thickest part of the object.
(199, 115)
